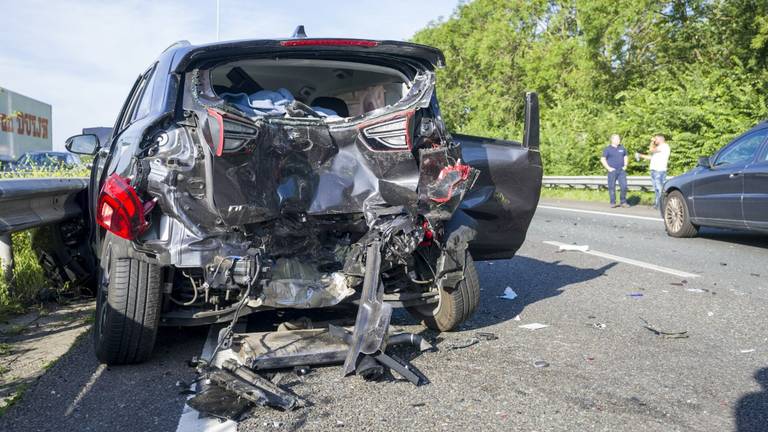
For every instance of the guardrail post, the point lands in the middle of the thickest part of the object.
(6, 256)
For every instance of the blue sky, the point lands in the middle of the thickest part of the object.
(82, 56)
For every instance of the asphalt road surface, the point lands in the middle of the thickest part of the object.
(602, 368)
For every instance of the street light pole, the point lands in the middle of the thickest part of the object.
(218, 19)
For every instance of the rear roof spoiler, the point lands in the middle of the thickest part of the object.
(188, 56)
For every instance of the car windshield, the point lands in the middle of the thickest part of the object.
(306, 88)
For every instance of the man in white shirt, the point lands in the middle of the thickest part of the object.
(659, 157)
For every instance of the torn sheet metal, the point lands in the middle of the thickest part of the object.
(373, 314)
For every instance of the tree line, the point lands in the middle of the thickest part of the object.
(693, 70)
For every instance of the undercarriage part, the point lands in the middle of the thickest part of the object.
(231, 391)
(64, 254)
(373, 314)
(395, 363)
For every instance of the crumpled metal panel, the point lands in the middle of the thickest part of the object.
(311, 170)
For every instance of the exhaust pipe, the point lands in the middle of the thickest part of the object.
(531, 131)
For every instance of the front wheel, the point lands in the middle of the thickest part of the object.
(455, 306)
(128, 306)
(677, 219)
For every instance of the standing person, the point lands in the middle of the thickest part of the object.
(615, 161)
(659, 156)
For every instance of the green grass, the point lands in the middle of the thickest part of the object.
(28, 277)
(634, 197)
(18, 394)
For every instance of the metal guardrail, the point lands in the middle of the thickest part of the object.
(29, 203)
(596, 182)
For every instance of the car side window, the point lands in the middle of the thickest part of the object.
(144, 104)
(132, 106)
(743, 150)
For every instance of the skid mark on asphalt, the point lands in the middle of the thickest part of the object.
(190, 420)
(629, 261)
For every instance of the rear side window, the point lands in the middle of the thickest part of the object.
(743, 150)
(139, 100)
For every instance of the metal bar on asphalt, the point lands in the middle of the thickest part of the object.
(631, 261)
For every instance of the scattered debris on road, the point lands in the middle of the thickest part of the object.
(540, 364)
(533, 326)
(573, 248)
(466, 343)
(635, 295)
(664, 334)
(509, 294)
(747, 351)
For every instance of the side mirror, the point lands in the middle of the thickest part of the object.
(86, 144)
(704, 161)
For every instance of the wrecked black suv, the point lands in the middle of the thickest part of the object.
(297, 173)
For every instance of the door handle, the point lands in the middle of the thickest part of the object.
(732, 175)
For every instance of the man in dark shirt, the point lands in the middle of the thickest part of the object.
(615, 161)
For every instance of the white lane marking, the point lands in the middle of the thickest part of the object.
(602, 213)
(633, 262)
(190, 420)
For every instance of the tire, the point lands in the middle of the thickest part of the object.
(128, 306)
(456, 305)
(677, 218)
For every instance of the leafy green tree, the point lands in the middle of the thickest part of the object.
(694, 70)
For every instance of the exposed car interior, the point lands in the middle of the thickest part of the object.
(333, 88)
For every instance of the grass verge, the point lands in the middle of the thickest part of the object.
(633, 197)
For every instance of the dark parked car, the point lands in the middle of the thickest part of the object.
(727, 190)
(298, 173)
(50, 160)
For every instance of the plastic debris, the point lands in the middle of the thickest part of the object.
(696, 290)
(635, 295)
(575, 248)
(599, 325)
(710, 314)
(486, 336)
(747, 351)
(465, 343)
(540, 364)
(533, 326)
(516, 318)
(664, 334)
(509, 294)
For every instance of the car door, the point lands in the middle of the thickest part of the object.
(717, 190)
(755, 201)
(501, 204)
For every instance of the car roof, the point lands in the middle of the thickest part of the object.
(186, 55)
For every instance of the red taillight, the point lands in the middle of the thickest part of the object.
(329, 42)
(389, 133)
(119, 210)
(217, 132)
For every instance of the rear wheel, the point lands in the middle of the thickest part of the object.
(127, 308)
(677, 220)
(455, 306)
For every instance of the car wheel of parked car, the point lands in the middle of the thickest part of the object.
(127, 307)
(455, 306)
(677, 219)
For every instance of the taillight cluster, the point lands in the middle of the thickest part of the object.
(119, 209)
(393, 133)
